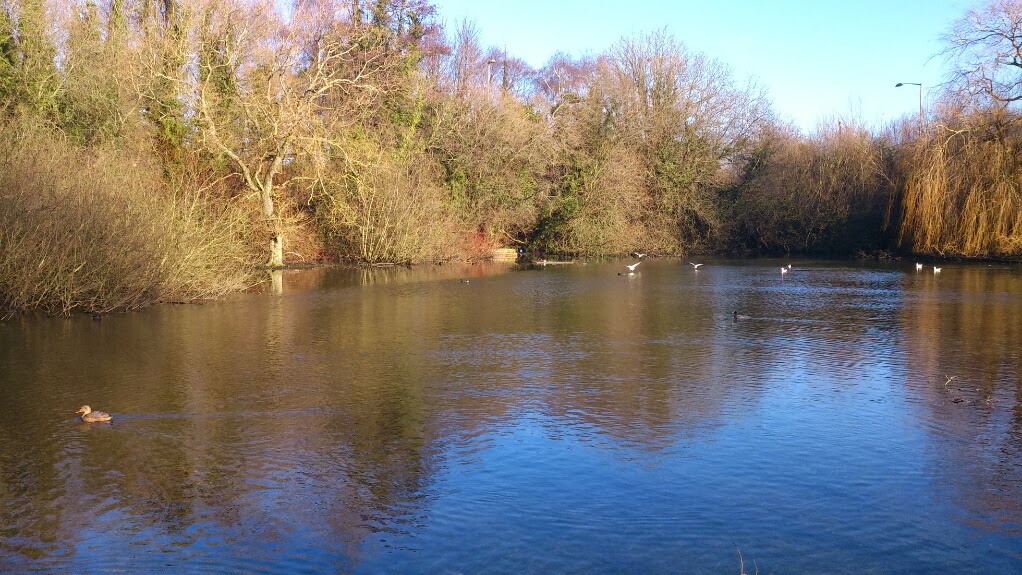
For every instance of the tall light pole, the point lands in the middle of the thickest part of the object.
(900, 84)
(489, 63)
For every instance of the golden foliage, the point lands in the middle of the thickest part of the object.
(387, 209)
(97, 229)
(963, 196)
(800, 194)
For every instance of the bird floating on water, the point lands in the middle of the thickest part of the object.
(919, 266)
(90, 416)
(696, 266)
(784, 270)
(936, 270)
(739, 316)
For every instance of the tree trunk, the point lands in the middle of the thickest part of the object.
(276, 251)
(276, 238)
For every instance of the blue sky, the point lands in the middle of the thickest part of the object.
(817, 60)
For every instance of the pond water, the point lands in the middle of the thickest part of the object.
(563, 419)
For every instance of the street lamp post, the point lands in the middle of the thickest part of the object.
(489, 63)
(900, 84)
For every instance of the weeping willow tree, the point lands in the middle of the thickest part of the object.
(964, 194)
(964, 197)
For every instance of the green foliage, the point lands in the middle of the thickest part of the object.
(30, 79)
(91, 107)
(8, 58)
(599, 207)
(161, 103)
(404, 116)
(218, 70)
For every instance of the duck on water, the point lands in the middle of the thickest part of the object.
(90, 416)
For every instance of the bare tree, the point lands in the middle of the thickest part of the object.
(985, 48)
(265, 87)
(564, 77)
(466, 58)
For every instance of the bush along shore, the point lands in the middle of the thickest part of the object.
(164, 152)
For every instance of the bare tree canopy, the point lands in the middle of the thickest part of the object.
(985, 51)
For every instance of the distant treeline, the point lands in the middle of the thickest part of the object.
(157, 150)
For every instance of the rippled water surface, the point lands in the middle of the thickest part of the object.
(562, 419)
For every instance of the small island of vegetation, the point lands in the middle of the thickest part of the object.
(160, 150)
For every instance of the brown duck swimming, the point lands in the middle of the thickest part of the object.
(92, 416)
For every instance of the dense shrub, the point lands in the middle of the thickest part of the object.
(827, 194)
(97, 229)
